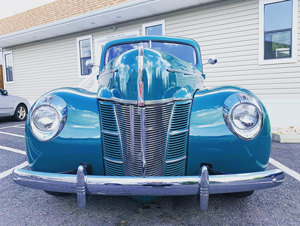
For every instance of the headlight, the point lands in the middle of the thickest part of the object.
(243, 116)
(48, 117)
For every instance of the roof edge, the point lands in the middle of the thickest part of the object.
(89, 15)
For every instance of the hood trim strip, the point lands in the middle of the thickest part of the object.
(147, 102)
(141, 101)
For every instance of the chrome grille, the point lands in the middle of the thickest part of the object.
(129, 123)
(157, 119)
(162, 129)
(176, 168)
(178, 139)
(111, 145)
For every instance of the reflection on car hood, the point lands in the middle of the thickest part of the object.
(164, 76)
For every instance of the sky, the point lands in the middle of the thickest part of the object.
(12, 7)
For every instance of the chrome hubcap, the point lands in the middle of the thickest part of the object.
(21, 113)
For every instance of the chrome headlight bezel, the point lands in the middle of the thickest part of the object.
(53, 102)
(230, 104)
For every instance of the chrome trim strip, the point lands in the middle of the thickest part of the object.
(175, 160)
(114, 161)
(108, 72)
(184, 72)
(143, 142)
(118, 100)
(145, 186)
(147, 102)
(109, 132)
(179, 131)
(140, 87)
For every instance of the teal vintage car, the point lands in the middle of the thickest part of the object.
(152, 129)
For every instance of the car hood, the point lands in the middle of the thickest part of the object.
(163, 77)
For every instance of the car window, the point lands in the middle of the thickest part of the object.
(182, 51)
(115, 51)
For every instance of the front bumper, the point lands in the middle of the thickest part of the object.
(202, 185)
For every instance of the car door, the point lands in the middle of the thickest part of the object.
(6, 105)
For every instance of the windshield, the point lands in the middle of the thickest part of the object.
(182, 51)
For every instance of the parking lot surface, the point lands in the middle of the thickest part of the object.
(24, 206)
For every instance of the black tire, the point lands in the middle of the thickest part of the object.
(58, 194)
(20, 113)
(240, 194)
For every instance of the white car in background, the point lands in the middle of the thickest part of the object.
(14, 106)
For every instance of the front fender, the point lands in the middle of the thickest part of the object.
(210, 140)
(78, 142)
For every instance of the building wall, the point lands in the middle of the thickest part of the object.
(228, 29)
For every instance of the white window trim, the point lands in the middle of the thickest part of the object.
(154, 23)
(4, 67)
(78, 53)
(261, 60)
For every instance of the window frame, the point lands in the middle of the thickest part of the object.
(90, 37)
(155, 23)
(293, 58)
(4, 67)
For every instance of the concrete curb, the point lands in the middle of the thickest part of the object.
(286, 138)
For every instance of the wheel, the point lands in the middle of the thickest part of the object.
(20, 113)
(57, 194)
(240, 194)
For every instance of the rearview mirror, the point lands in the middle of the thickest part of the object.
(89, 63)
(4, 92)
(212, 60)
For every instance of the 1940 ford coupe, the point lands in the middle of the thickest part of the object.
(150, 130)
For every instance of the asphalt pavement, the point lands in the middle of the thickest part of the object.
(24, 206)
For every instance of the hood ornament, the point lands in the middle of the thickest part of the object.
(141, 101)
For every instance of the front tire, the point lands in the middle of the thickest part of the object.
(240, 194)
(20, 113)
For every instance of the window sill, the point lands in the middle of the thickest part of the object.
(277, 61)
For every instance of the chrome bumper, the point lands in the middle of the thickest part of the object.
(202, 185)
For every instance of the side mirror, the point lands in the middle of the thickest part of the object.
(212, 60)
(89, 63)
(4, 92)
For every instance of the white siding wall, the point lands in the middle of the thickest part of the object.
(228, 29)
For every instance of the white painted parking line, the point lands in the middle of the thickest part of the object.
(287, 170)
(8, 172)
(12, 134)
(17, 126)
(13, 150)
